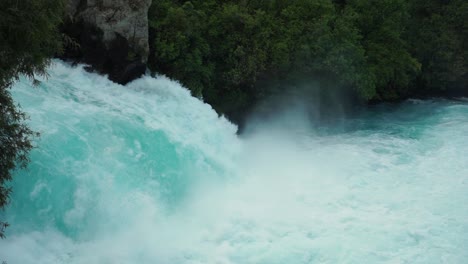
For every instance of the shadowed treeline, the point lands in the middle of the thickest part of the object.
(236, 53)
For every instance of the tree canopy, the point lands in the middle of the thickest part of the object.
(234, 53)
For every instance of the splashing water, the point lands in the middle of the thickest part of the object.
(148, 174)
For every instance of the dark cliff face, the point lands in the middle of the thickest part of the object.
(110, 36)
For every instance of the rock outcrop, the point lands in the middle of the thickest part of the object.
(109, 35)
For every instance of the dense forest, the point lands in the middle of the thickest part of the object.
(234, 54)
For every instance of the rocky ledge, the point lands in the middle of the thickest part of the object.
(111, 36)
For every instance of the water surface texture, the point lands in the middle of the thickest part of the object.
(148, 174)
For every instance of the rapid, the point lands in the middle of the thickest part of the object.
(146, 173)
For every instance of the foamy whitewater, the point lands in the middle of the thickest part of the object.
(148, 174)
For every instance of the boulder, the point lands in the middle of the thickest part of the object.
(111, 36)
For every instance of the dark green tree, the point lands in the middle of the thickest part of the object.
(28, 38)
(438, 37)
(236, 53)
(389, 63)
(179, 46)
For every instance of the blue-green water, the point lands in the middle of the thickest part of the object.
(148, 174)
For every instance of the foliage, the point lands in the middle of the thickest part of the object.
(438, 34)
(28, 38)
(381, 24)
(234, 53)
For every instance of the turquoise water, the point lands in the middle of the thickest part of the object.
(148, 174)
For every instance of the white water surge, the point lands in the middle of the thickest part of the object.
(148, 174)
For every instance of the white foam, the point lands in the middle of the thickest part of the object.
(395, 194)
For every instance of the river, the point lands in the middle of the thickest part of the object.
(146, 173)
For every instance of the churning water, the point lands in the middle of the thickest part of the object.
(148, 174)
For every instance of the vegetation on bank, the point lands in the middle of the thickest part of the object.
(28, 38)
(235, 53)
